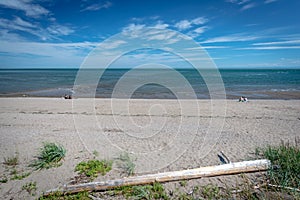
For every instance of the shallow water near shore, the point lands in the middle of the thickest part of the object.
(254, 83)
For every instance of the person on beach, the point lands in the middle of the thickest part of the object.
(67, 96)
(243, 99)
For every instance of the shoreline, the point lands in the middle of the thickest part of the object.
(266, 95)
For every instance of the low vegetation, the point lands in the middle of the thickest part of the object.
(30, 187)
(92, 168)
(11, 161)
(60, 196)
(50, 155)
(20, 176)
(125, 162)
(286, 159)
(154, 191)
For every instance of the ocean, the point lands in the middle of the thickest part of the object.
(252, 83)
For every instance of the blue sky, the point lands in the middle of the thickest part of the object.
(235, 33)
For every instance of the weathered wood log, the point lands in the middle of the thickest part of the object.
(226, 169)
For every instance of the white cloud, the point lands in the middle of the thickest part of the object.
(165, 36)
(248, 6)
(161, 25)
(272, 47)
(269, 1)
(199, 20)
(133, 27)
(279, 42)
(112, 45)
(206, 47)
(21, 22)
(244, 4)
(18, 24)
(44, 49)
(187, 24)
(30, 9)
(57, 29)
(239, 2)
(231, 38)
(198, 31)
(45, 54)
(98, 6)
(183, 24)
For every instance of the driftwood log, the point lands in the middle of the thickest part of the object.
(226, 169)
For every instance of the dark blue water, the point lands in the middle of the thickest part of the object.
(265, 84)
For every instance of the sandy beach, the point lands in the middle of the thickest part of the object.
(161, 135)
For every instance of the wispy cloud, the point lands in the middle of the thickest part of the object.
(207, 47)
(277, 45)
(271, 47)
(30, 9)
(133, 27)
(243, 4)
(269, 1)
(248, 6)
(278, 42)
(197, 32)
(47, 49)
(113, 44)
(58, 29)
(183, 24)
(98, 6)
(161, 25)
(19, 24)
(239, 2)
(45, 54)
(187, 24)
(232, 38)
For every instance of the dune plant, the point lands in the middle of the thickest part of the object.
(50, 155)
(11, 161)
(92, 168)
(287, 160)
(30, 187)
(125, 162)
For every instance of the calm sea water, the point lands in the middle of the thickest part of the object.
(258, 84)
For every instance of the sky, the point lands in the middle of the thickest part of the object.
(235, 33)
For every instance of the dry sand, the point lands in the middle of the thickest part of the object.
(161, 135)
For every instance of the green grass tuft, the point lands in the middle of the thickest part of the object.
(287, 158)
(49, 156)
(30, 187)
(92, 168)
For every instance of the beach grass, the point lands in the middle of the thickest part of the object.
(286, 161)
(50, 155)
(125, 162)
